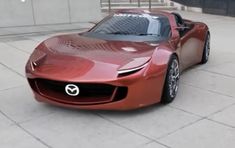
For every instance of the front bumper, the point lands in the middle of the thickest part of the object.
(142, 90)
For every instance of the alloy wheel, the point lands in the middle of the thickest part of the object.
(174, 75)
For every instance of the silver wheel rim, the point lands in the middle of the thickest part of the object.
(174, 76)
(207, 47)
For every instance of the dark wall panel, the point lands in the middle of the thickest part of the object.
(215, 6)
(231, 8)
(221, 7)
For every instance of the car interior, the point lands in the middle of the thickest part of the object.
(182, 23)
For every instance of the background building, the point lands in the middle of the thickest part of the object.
(15, 13)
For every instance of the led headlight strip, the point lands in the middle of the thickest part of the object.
(132, 69)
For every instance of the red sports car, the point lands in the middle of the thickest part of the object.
(131, 59)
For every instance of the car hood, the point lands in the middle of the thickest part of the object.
(77, 57)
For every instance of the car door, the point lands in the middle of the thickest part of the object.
(190, 45)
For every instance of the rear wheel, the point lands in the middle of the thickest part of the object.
(171, 81)
(206, 51)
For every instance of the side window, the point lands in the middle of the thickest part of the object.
(180, 23)
(178, 20)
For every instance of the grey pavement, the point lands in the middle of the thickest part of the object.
(202, 115)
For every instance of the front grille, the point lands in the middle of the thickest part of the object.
(90, 93)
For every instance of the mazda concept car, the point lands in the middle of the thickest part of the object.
(131, 59)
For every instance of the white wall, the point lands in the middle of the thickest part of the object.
(51, 11)
(15, 13)
(38, 12)
(88, 10)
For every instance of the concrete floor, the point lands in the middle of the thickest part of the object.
(202, 115)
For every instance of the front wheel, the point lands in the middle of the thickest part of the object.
(171, 81)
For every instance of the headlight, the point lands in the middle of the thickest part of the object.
(132, 70)
(37, 58)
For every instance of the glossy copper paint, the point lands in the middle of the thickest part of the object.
(73, 58)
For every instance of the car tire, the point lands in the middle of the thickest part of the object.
(206, 51)
(171, 81)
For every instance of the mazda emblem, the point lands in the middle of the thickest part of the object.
(72, 90)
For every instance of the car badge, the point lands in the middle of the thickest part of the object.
(72, 90)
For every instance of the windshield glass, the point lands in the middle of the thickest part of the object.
(134, 24)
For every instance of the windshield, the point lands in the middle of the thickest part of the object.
(134, 24)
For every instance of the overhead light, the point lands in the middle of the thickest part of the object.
(23, 1)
